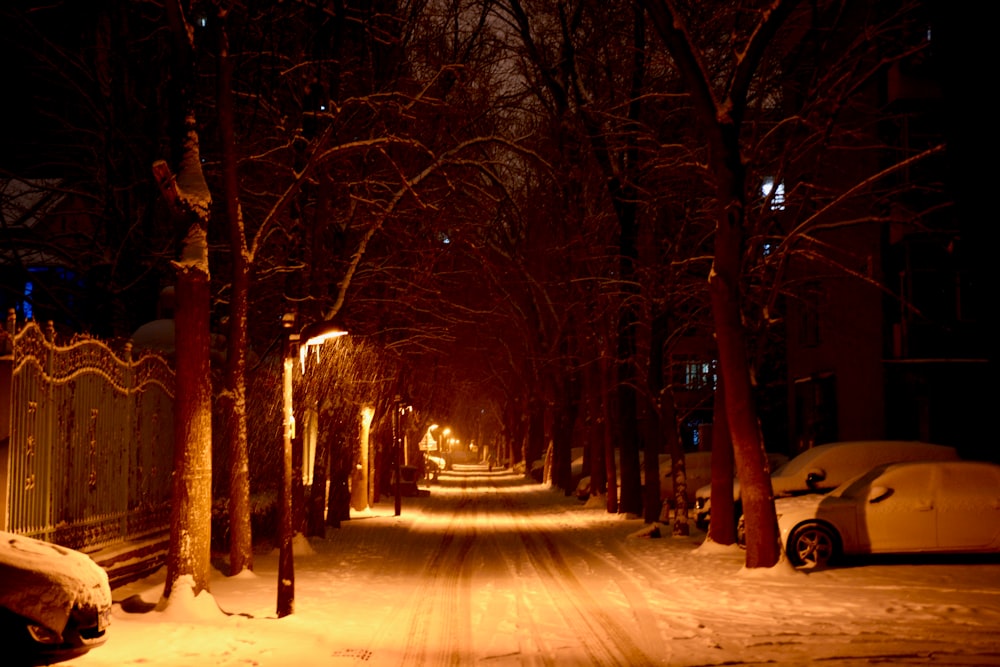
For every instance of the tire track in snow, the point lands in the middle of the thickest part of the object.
(421, 556)
(440, 616)
(527, 645)
(631, 586)
(606, 641)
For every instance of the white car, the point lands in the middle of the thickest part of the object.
(910, 507)
(55, 603)
(825, 467)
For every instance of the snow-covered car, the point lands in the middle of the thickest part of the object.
(55, 602)
(537, 470)
(911, 507)
(825, 467)
(699, 481)
(433, 465)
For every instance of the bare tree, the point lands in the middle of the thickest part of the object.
(775, 87)
(186, 193)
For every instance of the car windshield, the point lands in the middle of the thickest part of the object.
(858, 485)
(800, 462)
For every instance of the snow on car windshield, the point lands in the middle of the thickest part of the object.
(858, 485)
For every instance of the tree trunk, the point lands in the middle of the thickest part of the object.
(566, 410)
(594, 409)
(722, 528)
(298, 457)
(316, 514)
(720, 119)
(653, 421)
(359, 488)
(608, 401)
(189, 552)
(535, 440)
(748, 449)
(232, 401)
(628, 434)
(652, 486)
(187, 196)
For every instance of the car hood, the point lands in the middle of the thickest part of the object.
(794, 510)
(44, 581)
(808, 503)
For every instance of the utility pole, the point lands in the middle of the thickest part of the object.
(396, 409)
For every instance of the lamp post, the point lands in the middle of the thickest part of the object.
(314, 334)
(399, 408)
(397, 414)
(431, 438)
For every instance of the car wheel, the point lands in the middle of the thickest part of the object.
(812, 546)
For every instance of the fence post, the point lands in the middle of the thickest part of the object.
(7, 408)
(131, 442)
(51, 417)
(11, 324)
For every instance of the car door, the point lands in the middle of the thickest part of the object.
(968, 505)
(898, 513)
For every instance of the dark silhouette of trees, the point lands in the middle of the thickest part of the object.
(777, 93)
(79, 141)
(528, 208)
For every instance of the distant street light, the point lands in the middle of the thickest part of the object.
(314, 334)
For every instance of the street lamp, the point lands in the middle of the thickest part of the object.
(313, 335)
(399, 408)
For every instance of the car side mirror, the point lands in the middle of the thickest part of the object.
(814, 477)
(878, 493)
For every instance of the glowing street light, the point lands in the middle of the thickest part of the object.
(314, 335)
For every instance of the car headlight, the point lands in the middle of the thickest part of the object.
(43, 635)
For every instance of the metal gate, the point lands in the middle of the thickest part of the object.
(91, 441)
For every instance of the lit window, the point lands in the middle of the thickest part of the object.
(692, 374)
(29, 312)
(776, 193)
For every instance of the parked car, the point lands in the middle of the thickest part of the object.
(409, 477)
(825, 467)
(433, 465)
(55, 603)
(697, 471)
(537, 470)
(911, 507)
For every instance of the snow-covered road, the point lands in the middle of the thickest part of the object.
(489, 570)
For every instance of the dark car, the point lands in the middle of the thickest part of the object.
(55, 602)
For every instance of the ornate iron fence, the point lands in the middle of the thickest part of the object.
(90, 453)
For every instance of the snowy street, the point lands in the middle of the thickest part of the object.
(488, 570)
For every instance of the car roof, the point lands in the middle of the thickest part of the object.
(951, 466)
(850, 451)
(958, 468)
